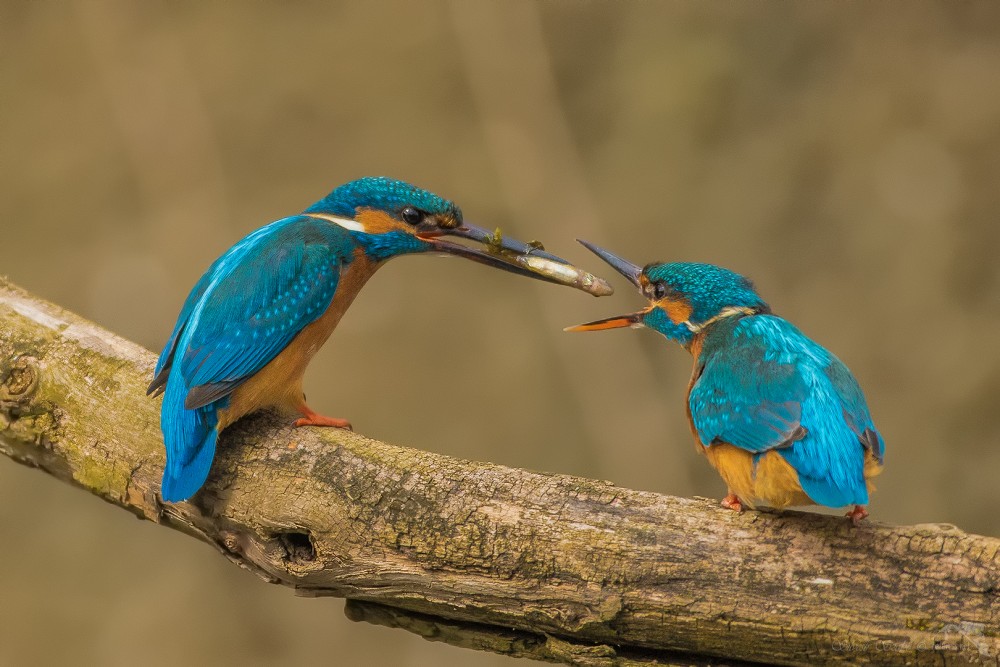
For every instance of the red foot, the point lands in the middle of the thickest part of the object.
(857, 515)
(732, 502)
(310, 418)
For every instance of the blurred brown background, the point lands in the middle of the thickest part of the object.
(845, 156)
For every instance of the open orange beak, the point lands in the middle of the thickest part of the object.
(630, 271)
(618, 322)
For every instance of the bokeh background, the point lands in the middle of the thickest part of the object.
(846, 156)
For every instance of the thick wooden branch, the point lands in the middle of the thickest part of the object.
(546, 566)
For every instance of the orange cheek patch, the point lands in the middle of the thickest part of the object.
(677, 310)
(378, 222)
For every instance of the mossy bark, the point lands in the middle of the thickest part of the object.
(540, 565)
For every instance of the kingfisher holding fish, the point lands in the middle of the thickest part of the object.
(254, 320)
(780, 418)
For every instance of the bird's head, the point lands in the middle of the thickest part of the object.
(684, 297)
(390, 217)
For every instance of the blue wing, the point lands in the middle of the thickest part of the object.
(249, 305)
(768, 386)
(163, 364)
(856, 412)
(253, 301)
(748, 400)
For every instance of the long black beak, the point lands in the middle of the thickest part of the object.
(496, 258)
(630, 271)
(622, 266)
(467, 231)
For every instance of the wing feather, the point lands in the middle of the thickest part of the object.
(251, 303)
(747, 400)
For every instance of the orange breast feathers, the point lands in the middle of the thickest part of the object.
(773, 482)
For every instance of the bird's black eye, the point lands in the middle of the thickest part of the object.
(411, 216)
(659, 291)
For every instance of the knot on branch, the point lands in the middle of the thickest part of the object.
(18, 382)
(298, 547)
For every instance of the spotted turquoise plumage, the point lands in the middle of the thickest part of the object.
(383, 194)
(706, 287)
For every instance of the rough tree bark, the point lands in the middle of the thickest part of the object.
(479, 555)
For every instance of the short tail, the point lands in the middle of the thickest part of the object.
(189, 436)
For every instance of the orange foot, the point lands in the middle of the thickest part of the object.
(310, 418)
(857, 515)
(732, 502)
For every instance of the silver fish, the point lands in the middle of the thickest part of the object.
(567, 274)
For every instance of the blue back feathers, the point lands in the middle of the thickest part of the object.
(764, 385)
(248, 315)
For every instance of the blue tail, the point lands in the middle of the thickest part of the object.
(830, 459)
(190, 437)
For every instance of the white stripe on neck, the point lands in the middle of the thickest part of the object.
(729, 311)
(346, 223)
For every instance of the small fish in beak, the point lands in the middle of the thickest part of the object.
(527, 259)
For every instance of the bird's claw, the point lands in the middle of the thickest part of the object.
(857, 515)
(732, 502)
(310, 418)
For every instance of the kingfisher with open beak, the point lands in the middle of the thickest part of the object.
(779, 417)
(255, 319)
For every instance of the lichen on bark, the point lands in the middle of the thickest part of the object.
(541, 565)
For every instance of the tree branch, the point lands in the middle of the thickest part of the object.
(547, 566)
